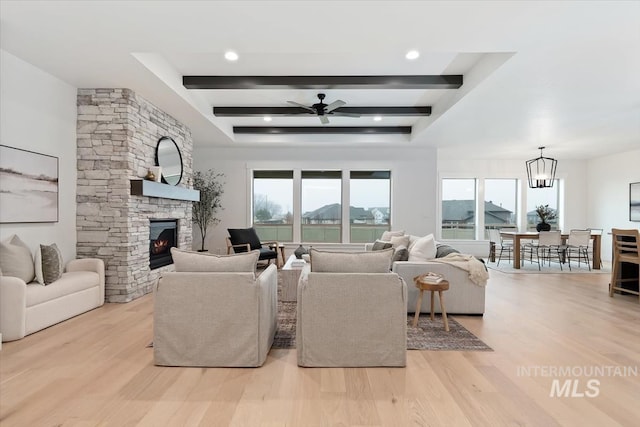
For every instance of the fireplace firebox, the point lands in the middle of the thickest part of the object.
(163, 235)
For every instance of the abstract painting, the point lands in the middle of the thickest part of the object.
(28, 186)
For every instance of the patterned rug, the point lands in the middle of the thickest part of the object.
(429, 335)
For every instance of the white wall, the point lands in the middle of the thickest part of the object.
(413, 173)
(38, 113)
(608, 190)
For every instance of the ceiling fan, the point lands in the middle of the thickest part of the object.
(321, 109)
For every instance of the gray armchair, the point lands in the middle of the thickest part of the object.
(215, 319)
(351, 319)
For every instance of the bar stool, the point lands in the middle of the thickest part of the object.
(626, 248)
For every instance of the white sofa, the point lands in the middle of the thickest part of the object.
(463, 296)
(26, 308)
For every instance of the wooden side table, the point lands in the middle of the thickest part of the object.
(433, 287)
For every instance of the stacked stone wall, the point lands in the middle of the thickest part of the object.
(117, 133)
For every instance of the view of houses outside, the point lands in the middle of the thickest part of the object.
(459, 209)
(370, 205)
(321, 207)
(321, 199)
(500, 206)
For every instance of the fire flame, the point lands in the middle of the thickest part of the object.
(160, 246)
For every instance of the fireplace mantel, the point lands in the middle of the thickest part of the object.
(143, 187)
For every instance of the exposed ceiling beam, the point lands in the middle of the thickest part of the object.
(280, 130)
(323, 82)
(294, 111)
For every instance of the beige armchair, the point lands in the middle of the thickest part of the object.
(351, 319)
(215, 319)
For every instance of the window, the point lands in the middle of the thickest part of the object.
(507, 203)
(542, 196)
(369, 207)
(500, 197)
(321, 206)
(273, 205)
(458, 208)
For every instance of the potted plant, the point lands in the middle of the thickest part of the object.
(545, 213)
(204, 213)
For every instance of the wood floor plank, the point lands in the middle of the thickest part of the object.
(96, 370)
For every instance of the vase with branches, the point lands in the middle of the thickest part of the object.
(210, 184)
(545, 213)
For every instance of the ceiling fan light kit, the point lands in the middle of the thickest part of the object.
(321, 109)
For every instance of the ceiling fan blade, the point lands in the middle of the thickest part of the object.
(335, 104)
(302, 106)
(338, 113)
(324, 120)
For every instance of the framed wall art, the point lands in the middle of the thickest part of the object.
(28, 186)
(634, 201)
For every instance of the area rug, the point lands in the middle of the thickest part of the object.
(507, 267)
(429, 335)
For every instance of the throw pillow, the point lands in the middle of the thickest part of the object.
(424, 249)
(16, 259)
(351, 262)
(380, 245)
(412, 241)
(400, 241)
(387, 235)
(443, 250)
(48, 264)
(401, 253)
(204, 262)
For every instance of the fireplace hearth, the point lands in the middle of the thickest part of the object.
(163, 235)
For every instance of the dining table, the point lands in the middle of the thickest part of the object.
(518, 236)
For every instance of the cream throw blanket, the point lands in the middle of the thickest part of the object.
(478, 273)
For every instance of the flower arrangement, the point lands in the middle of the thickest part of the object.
(545, 213)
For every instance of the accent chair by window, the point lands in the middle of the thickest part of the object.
(246, 239)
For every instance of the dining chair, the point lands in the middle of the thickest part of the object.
(548, 242)
(498, 243)
(626, 248)
(578, 244)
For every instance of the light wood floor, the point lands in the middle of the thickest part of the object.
(95, 370)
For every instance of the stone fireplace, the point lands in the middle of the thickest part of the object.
(117, 133)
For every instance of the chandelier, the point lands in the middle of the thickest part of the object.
(541, 171)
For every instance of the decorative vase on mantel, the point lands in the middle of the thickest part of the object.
(543, 226)
(300, 251)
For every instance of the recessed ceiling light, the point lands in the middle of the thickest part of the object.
(412, 54)
(267, 118)
(231, 55)
(377, 118)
